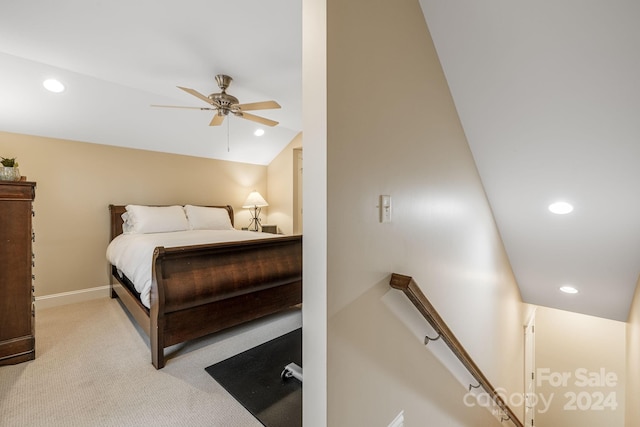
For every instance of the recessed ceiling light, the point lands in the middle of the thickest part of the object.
(53, 85)
(568, 289)
(259, 132)
(561, 208)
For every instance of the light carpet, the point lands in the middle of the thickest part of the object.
(93, 368)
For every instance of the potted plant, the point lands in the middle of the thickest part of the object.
(9, 170)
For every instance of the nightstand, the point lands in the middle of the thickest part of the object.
(273, 229)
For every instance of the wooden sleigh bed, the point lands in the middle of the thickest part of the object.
(202, 289)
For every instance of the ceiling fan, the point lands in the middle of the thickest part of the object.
(223, 104)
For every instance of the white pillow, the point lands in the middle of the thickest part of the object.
(127, 225)
(155, 219)
(203, 218)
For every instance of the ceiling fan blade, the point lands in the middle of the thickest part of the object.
(264, 105)
(197, 94)
(180, 106)
(257, 119)
(217, 120)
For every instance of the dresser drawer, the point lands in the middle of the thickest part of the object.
(17, 190)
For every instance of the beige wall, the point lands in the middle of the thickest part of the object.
(392, 128)
(580, 370)
(280, 188)
(632, 417)
(77, 181)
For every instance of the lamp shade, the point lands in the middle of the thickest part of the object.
(255, 199)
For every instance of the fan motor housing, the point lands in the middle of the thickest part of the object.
(224, 100)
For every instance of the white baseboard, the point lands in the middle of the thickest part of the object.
(64, 298)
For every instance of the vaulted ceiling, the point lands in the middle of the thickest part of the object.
(546, 91)
(117, 58)
(549, 98)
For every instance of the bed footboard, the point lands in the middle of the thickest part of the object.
(198, 290)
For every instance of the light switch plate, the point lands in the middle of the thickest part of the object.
(385, 208)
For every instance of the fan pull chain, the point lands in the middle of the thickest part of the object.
(228, 149)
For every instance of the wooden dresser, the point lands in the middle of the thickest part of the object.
(17, 338)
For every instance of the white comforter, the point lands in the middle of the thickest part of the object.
(132, 254)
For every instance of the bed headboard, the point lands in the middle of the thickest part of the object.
(116, 212)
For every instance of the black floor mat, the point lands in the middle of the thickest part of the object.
(253, 378)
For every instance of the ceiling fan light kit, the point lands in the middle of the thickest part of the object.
(223, 104)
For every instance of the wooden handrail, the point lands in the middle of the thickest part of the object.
(410, 288)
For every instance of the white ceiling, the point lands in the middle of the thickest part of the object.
(118, 57)
(547, 93)
(549, 96)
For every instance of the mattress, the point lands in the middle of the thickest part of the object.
(132, 254)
